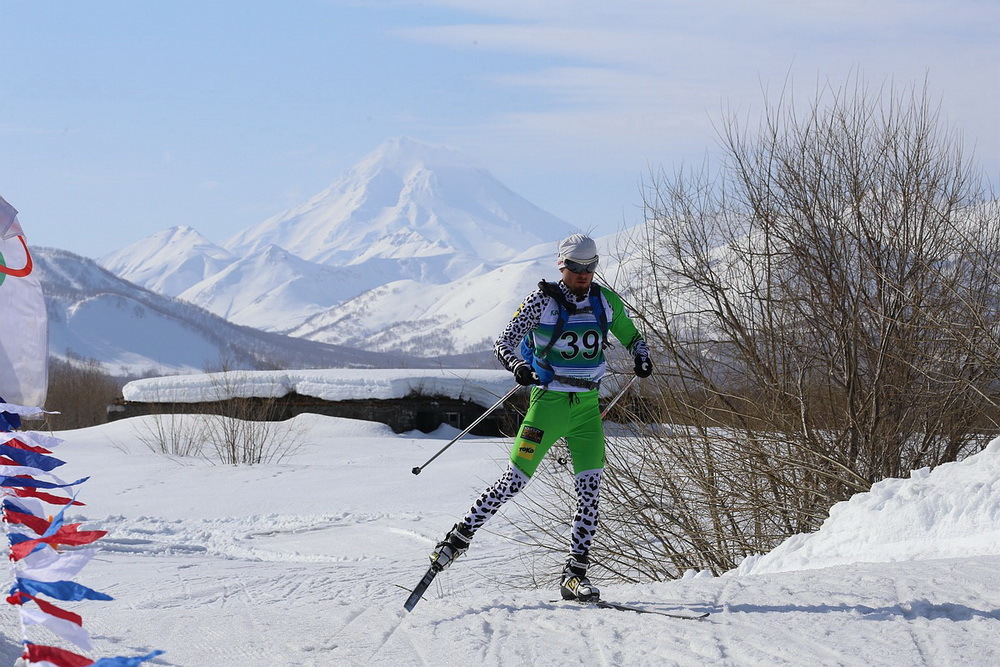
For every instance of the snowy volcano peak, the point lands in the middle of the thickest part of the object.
(399, 237)
(406, 200)
(403, 155)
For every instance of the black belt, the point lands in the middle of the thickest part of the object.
(576, 382)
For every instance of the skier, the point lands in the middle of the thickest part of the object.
(560, 330)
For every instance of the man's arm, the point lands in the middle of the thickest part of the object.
(526, 317)
(624, 330)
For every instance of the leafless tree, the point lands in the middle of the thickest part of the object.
(823, 309)
(80, 391)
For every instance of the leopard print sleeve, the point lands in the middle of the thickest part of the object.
(526, 318)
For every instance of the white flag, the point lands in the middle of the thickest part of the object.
(66, 629)
(52, 565)
(24, 329)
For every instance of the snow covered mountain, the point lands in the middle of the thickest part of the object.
(462, 316)
(409, 200)
(415, 250)
(274, 290)
(94, 314)
(170, 261)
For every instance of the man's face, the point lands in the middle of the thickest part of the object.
(578, 283)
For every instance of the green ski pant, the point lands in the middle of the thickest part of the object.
(551, 415)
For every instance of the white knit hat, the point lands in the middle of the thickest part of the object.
(577, 247)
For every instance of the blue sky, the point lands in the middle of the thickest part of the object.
(121, 118)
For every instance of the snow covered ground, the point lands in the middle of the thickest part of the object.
(301, 563)
(479, 386)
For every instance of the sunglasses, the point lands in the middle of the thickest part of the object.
(578, 267)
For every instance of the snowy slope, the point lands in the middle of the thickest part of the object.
(475, 385)
(96, 315)
(298, 564)
(168, 262)
(414, 318)
(952, 512)
(273, 290)
(464, 316)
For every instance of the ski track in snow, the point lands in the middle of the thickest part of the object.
(350, 613)
(278, 538)
(233, 566)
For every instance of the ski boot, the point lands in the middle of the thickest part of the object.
(454, 544)
(574, 584)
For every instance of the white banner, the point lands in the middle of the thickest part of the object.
(24, 330)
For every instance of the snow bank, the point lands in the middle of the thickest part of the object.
(483, 387)
(952, 511)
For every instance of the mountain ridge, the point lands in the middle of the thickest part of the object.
(94, 314)
(401, 253)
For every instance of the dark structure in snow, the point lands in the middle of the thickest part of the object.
(412, 413)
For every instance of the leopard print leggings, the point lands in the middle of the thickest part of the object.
(587, 485)
(505, 488)
(588, 489)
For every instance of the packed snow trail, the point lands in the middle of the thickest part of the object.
(248, 613)
(298, 564)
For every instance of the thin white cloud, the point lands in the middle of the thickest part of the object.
(607, 68)
(643, 32)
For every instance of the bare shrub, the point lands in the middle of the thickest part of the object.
(235, 427)
(823, 310)
(173, 434)
(249, 430)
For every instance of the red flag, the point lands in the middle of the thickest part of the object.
(37, 524)
(14, 442)
(67, 535)
(28, 492)
(57, 656)
(21, 597)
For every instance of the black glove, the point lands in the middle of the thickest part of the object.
(643, 367)
(525, 375)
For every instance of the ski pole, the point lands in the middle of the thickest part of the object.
(417, 470)
(620, 394)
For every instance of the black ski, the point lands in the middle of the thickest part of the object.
(418, 590)
(604, 604)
